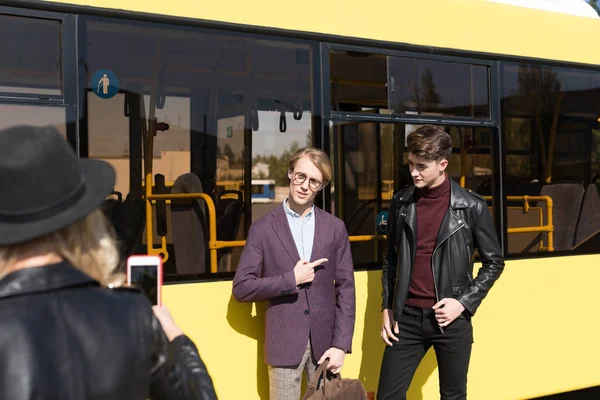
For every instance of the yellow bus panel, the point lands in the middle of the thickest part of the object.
(520, 347)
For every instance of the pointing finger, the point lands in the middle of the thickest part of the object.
(319, 261)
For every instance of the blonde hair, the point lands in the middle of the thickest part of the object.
(317, 157)
(88, 244)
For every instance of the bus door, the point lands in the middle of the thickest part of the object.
(368, 161)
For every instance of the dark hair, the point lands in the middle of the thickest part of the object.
(430, 143)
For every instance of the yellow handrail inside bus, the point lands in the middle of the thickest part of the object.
(549, 227)
(213, 243)
(463, 157)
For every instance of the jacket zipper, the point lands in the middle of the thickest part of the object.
(435, 288)
(412, 232)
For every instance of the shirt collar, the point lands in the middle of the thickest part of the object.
(294, 214)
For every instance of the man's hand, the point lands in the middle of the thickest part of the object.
(336, 359)
(447, 310)
(304, 272)
(386, 326)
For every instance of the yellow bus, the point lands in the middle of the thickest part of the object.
(205, 93)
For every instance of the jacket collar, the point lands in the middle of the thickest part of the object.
(43, 279)
(280, 224)
(457, 195)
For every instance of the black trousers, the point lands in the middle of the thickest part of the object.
(418, 332)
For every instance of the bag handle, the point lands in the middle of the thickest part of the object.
(312, 385)
(321, 372)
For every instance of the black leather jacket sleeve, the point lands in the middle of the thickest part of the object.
(178, 371)
(388, 270)
(492, 261)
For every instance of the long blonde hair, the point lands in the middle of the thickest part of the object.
(88, 244)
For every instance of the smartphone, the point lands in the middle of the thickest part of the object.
(146, 272)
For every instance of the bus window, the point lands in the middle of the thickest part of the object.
(229, 109)
(374, 162)
(550, 125)
(438, 87)
(358, 81)
(31, 56)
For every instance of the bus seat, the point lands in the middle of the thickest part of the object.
(189, 227)
(589, 218)
(566, 198)
(111, 205)
(485, 188)
(229, 215)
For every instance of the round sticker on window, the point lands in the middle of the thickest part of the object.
(105, 83)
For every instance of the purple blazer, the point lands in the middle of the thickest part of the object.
(325, 309)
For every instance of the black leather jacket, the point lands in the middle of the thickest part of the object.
(466, 225)
(64, 337)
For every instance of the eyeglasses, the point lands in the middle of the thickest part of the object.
(314, 184)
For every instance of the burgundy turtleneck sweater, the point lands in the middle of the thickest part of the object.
(432, 204)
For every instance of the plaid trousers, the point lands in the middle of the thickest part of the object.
(285, 382)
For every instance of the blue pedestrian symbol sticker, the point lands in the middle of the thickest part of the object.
(105, 84)
(381, 224)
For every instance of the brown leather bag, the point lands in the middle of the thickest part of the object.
(334, 389)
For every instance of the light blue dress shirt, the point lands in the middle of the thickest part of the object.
(303, 230)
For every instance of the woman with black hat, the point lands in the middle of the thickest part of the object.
(63, 334)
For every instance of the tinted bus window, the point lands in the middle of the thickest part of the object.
(230, 108)
(373, 161)
(31, 56)
(550, 129)
(433, 87)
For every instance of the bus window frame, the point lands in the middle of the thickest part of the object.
(410, 118)
(67, 49)
(69, 68)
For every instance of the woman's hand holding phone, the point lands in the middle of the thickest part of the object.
(166, 321)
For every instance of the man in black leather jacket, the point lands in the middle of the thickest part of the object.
(429, 293)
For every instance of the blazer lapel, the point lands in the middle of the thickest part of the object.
(283, 232)
(321, 234)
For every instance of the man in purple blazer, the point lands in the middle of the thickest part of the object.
(298, 259)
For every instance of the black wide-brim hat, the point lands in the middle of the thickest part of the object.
(44, 186)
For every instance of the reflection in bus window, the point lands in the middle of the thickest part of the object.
(263, 191)
(550, 122)
(271, 152)
(13, 114)
(438, 87)
(31, 55)
(366, 83)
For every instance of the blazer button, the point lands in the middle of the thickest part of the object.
(307, 312)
